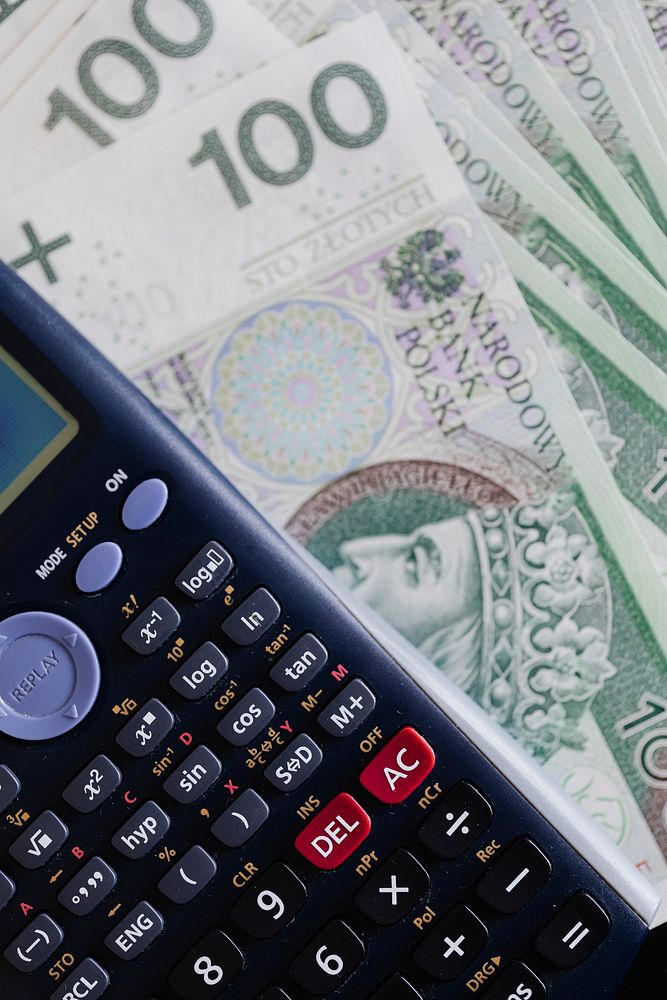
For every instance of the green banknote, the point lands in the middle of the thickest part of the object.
(481, 40)
(123, 66)
(17, 18)
(633, 44)
(620, 393)
(360, 363)
(28, 32)
(655, 14)
(569, 38)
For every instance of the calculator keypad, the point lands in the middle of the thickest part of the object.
(10, 786)
(351, 706)
(146, 730)
(88, 980)
(205, 572)
(329, 960)
(399, 767)
(152, 627)
(295, 764)
(93, 786)
(517, 981)
(246, 720)
(241, 821)
(35, 944)
(394, 889)
(253, 618)
(208, 968)
(188, 876)
(89, 887)
(7, 889)
(451, 947)
(43, 838)
(335, 833)
(515, 877)
(196, 774)
(301, 664)
(457, 822)
(574, 933)
(271, 903)
(135, 932)
(256, 772)
(142, 831)
(200, 672)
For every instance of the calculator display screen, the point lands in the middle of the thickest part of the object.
(34, 428)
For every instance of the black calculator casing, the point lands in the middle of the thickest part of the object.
(120, 430)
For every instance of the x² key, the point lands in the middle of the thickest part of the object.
(335, 833)
(399, 767)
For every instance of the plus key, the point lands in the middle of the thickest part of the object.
(399, 767)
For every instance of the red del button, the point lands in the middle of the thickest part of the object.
(399, 767)
(335, 833)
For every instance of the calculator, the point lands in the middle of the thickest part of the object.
(221, 777)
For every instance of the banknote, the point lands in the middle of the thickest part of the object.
(621, 394)
(633, 44)
(503, 187)
(22, 55)
(569, 38)
(17, 19)
(122, 66)
(480, 38)
(512, 185)
(655, 13)
(295, 18)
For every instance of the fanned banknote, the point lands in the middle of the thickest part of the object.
(17, 19)
(569, 38)
(121, 67)
(482, 41)
(25, 46)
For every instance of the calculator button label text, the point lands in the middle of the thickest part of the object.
(348, 709)
(88, 982)
(297, 667)
(574, 933)
(295, 764)
(252, 618)
(197, 675)
(135, 932)
(205, 572)
(142, 831)
(34, 945)
(399, 767)
(335, 833)
(152, 627)
(194, 776)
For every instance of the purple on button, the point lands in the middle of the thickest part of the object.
(99, 567)
(144, 505)
(49, 675)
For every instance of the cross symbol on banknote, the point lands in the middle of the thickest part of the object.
(656, 488)
(40, 252)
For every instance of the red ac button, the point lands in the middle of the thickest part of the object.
(399, 767)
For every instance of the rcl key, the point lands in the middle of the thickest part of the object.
(399, 767)
(335, 833)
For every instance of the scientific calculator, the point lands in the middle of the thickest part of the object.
(221, 778)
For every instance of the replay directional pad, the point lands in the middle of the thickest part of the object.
(49, 675)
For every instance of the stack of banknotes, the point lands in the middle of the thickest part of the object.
(400, 270)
